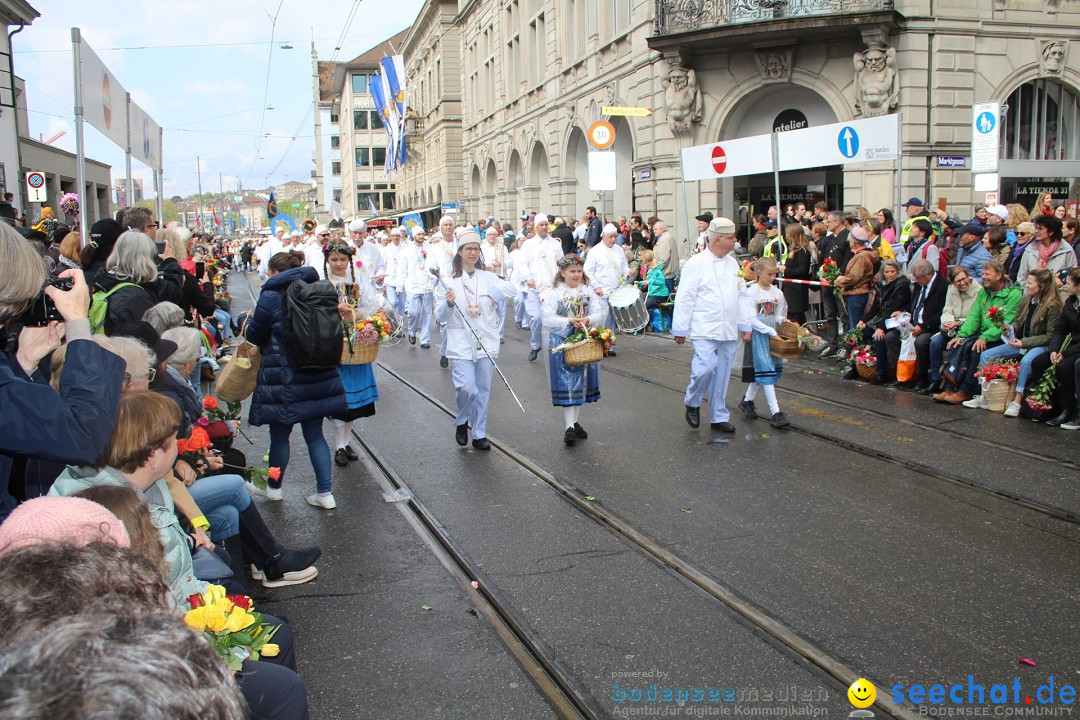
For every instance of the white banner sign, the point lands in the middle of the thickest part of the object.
(729, 158)
(104, 99)
(985, 137)
(847, 143)
(602, 171)
(145, 138)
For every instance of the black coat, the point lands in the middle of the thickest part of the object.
(934, 304)
(797, 267)
(126, 305)
(891, 297)
(837, 248)
(565, 236)
(1069, 322)
(284, 395)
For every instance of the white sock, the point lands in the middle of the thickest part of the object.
(569, 415)
(341, 432)
(770, 396)
(751, 392)
(577, 413)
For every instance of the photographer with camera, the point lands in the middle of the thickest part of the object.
(73, 426)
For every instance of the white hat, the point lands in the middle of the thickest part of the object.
(469, 236)
(320, 229)
(721, 226)
(417, 230)
(1000, 210)
(610, 229)
(541, 217)
(295, 233)
(395, 231)
(491, 231)
(357, 226)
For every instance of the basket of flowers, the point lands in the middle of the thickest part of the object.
(587, 345)
(998, 383)
(362, 338)
(789, 341)
(866, 362)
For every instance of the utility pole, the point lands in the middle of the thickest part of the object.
(198, 205)
(222, 192)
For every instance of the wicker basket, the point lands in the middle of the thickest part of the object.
(786, 343)
(583, 353)
(998, 394)
(866, 373)
(353, 353)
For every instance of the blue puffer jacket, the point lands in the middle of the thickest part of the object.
(282, 394)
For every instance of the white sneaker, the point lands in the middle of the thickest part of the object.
(297, 577)
(326, 502)
(976, 403)
(1074, 425)
(270, 493)
(1013, 410)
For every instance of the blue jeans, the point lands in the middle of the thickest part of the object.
(937, 355)
(318, 451)
(226, 323)
(856, 306)
(221, 498)
(1004, 352)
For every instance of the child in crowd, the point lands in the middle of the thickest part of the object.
(652, 276)
(762, 369)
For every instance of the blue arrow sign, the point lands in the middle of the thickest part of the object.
(985, 122)
(848, 142)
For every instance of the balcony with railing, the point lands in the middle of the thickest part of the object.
(678, 21)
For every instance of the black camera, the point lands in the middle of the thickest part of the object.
(42, 311)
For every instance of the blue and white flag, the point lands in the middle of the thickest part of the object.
(379, 88)
(393, 70)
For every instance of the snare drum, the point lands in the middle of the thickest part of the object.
(628, 308)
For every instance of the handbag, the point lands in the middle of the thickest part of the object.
(236, 381)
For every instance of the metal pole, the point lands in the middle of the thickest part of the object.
(80, 156)
(129, 197)
(686, 209)
(198, 205)
(899, 172)
(776, 181)
(159, 176)
(221, 190)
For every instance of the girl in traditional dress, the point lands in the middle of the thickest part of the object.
(471, 303)
(763, 369)
(355, 299)
(565, 308)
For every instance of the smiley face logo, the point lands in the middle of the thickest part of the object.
(862, 693)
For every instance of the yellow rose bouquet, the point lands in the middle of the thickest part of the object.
(233, 629)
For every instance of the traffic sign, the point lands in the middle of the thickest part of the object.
(857, 141)
(985, 137)
(602, 175)
(626, 111)
(719, 160)
(35, 187)
(601, 134)
(730, 158)
(848, 142)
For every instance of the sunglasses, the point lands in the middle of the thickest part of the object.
(149, 376)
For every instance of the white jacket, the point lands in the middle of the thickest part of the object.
(494, 254)
(553, 297)
(483, 289)
(313, 257)
(711, 302)
(541, 261)
(605, 267)
(389, 258)
(413, 264)
(369, 255)
(442, 254)
(515, 264)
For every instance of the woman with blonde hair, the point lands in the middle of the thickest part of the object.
(1017, 214)
(1044, 204)
(797, 266)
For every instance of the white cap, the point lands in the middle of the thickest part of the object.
(541, 217)
(395, 231)
(357, 226)
(610, 229)
(491, 231)
(469, 236)
(721, 226)
(295, 233)
(417, 230)
(319, 230)
(1000, 210)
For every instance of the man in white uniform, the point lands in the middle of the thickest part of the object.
(414, 261)
(443, 248)
(395, 275)
(312, 249)
(494, 255)
(271, 247)
(367, 251)
(606, 267)
(542, 254)
(712, 310)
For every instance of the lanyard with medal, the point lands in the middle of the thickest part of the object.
(472, 304)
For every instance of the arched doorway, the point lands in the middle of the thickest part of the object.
(577, 167)
(1040, 142)
(516, 179)
(539, 179)
(621, 201)
(475, 187)
(491, 185)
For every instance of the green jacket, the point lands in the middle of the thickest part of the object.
(1007, 298)
(182, 578)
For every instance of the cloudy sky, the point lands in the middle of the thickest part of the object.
(199, 68)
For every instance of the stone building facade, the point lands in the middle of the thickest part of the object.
(536, 73)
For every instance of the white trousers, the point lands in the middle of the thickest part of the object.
(710, 373)
(532, 309)
(396, 298)
(472, 385)
(420, 307)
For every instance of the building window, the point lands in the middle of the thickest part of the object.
(367, 201)
(333, 118)
(539, 48)
(1042, 123)
(337, 194)
(359, 83)
(335, 167)
(360, 119)
(363, 157)
(376, 120)
(378, 156)
(388, 201)
(620, 15)
(335, 141)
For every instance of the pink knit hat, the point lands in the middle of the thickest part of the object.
(71, 520)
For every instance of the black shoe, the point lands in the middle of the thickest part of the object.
(481, 444)
(461, 434)
(931, 389)
(412, 339)
(748, 409)
(878, 380)
(779, 420)
(1064, 418)
(569, 437)
(894, 383)
(350, 453)
(579, 431)
(611, 353)
(426, 346)
(829, 350)
(724, 427)
(443, 362)
(693, 416)
(288, 561)
(852, 374)
(533, 353)
(341, 459)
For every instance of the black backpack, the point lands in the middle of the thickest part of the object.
(313, 333)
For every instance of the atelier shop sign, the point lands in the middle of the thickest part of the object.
(790, 120)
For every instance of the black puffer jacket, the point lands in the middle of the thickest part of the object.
(1067, 323)
(126, 305)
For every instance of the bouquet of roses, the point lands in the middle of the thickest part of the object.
(368, 331)
(234, 630)
(852, 338)
(605, 336)
(996, 315)
(1007, 370)
(866, 357)
(190, 449)
(1041, 398)
(212, 409)
(828, 272)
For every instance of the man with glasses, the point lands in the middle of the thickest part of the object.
(141, 219)
(312, 249)
(367, 252)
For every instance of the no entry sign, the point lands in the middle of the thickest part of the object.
(719, 160)
(731, 158)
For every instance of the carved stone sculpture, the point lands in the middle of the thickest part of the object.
(775, 64)
(682, 97)
(1052, 58)
(876, 84)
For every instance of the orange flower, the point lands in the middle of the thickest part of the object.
(199, 440)
(274, 473)
(182, 446)
(210, 403)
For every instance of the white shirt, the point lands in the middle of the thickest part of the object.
(605, 267)
(267, 250)
(442, 253)
(515, 263)
(494, 253)
(711, 303)
(414, 264)
(542, 257)
(369, 254)
(313, 257)
(389, 258)
(549, 307)
(483, 289)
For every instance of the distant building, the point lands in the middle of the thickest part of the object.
(120, 191)
(292, 190)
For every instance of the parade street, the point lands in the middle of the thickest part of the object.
(883, 535)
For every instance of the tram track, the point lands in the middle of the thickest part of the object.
(803, 650)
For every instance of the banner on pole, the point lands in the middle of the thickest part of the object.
(145, 138)
(104, 98)
(729, 158)
(847, 143)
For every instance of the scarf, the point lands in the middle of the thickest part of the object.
(1045, 253)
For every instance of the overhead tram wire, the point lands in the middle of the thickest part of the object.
(266, 91)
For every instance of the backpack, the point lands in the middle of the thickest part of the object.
(942, 258)
(99, 307)
(313, 332)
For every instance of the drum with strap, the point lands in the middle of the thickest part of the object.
(628, 308)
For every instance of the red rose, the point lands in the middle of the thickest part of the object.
(195, 601)
(240, 601)
(199, 439)
(274, 473)
(210, 403)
